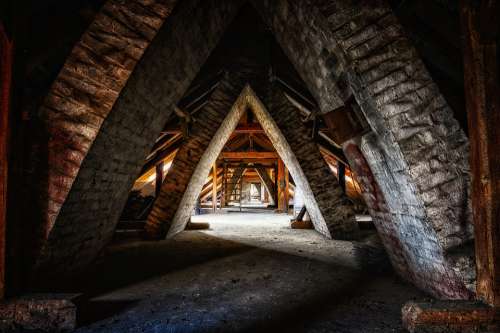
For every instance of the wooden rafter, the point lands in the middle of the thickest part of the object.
(249, 155)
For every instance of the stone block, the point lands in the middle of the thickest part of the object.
(40, 312)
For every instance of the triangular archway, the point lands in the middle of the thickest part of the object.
(107, 106)
(170, 222)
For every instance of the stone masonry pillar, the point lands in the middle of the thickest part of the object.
(336, 208)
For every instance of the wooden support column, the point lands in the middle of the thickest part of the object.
(287, 189)
(481, 77)
(482, 88)
(214, 187)
(282, 187)
(275, 175)
(159, 178)
(224, 187)
(341, 174)
(6, 60)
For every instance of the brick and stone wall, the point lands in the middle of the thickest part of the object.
(402, 235)
(112, 98)
(183, 201)
(335, 207)
(180, 215)
(208, 121)
(88, 85)
(417, 152)
(109, 154)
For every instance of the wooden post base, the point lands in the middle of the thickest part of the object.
(296, 224)
(197, 226)
(449, 317)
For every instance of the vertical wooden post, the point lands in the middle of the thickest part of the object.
(287, 190)
(341, 174)
(276, 185)
(483, 111)
(159, 178)
(266, 193)
(214, 187)
(282, 187)
(6, 59)
(224, 187)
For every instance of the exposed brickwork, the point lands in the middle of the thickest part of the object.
(401, 234)
(89, 84)
(86, 221)
(377, 206)
(336, 209)
(184, 207)
(417, 152)
(307, 48)
(404, 107)
(207, 159)
(208, 121)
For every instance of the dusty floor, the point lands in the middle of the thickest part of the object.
(252, 276)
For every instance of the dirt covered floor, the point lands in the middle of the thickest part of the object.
(248, 273)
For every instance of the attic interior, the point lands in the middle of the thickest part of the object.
(249, 166)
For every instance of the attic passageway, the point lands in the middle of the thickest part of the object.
(249, 273)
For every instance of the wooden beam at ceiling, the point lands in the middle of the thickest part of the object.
(200, 91)
(208, 185)
(163, 143)
(236, 155)
(252, 128)
(263, 141)
(237, 142)
(207, 192)
(209, 178)
(481, 73)
(160, 155)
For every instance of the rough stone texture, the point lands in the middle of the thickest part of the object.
(247, 99)
(386, 227)
(308, 48)
(449, 317)
(286, 153)
(86, 221)
(208, 121)
(88, 85)
(336, 209)
(45, 313)
(412, 120)
(198, 177)
(408, 247)
(417, 152)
